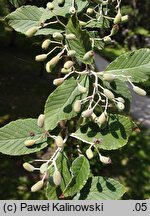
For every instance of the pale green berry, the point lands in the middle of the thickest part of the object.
(117, 18)
(89, 153)
(82, 23)
(65, 71)
(37, 186)
(87, 113)
(29, 143)
(114, 29)
(120, 99)
(72, 10)
(40, 120)
(31, 31)
(90, 11)
(50, 6)
(43, 168)
(77, 106)
(120, 106)
(139, 91)
(88, 55)
(108, 94)
(59, 141)
(107, 39)
(68, 64)
(108, 77)
(71, 53)
(51, 63)
(105, 160)
(41, 57)
(28, 167)
(46, 44)
(57, 178)
(57, 36)
(124, 18)
(70, 36)
(82, 89)
(102, 118)
(58, 81)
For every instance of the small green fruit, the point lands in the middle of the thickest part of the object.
(58, 36)
(40, 120)
(46, 44)
(58, 81)
(82, 89)
(124, 18)
(72, 10)
(29, 143)
(102, 118)
(89, 153)
(57, 178)
(105, 160)
(139, 91)
(108, 77)
(59, 141)
(51, 63)
(120, 106)
(41, 57)
(31, 31)
(28, 167)
(87, 113)
(77, 106)
(88, 55)
(117, 18)
(50, 6)
(68, 64)
(108, 94)
(43, 168)
(37, 186)
(90, 11)
(70, 36)
(114, 30)
(107, 39)
(71, 53)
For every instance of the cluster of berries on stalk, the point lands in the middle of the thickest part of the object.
(100, 96)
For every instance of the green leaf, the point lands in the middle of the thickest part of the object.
(80, 170)
(14, 134)
(64, 11)
(17, 3)
(101, 188)
(59, 105)
(135, 64)
(113, 136)
(82, 43)
(101, 23)
(120, 87)
(25, 17)
(53, 192)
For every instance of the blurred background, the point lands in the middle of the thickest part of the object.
(24, 87)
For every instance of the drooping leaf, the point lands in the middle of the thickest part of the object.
(113, 136)
(53, 192)
(101, 188)
(82, 43)
(59, 105)
(80, 170)
(14, 134)
(135, 65)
